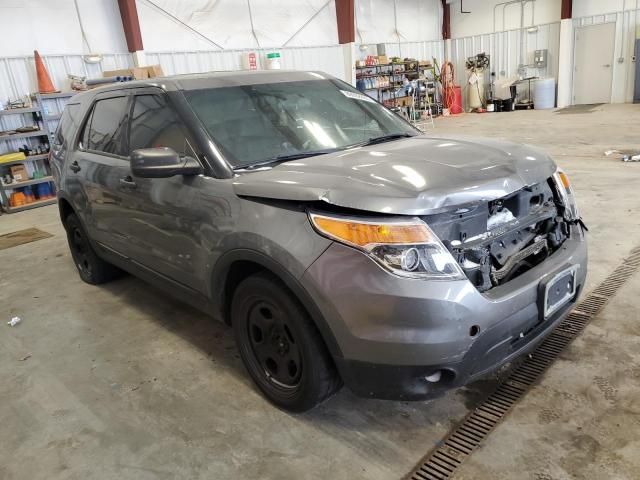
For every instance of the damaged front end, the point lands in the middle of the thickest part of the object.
(495, 241)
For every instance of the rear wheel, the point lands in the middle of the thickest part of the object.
(280, 345)
(92, 269)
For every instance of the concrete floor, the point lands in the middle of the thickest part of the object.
(123, 382)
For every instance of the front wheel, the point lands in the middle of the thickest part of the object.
(280, 346)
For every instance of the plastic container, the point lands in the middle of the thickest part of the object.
(43, 191)
(454, 102)
(273, 61)
(28, 194)
(544, 93)
(17, 199)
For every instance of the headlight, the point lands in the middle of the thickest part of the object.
(566, 195)
(405, 248)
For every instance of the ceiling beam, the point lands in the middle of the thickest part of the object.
(346, 18)
(130, 24)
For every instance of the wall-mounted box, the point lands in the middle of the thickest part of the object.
(540, 58)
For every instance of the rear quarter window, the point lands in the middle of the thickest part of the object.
(67, 125)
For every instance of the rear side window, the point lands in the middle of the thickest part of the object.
(67, 125)
(155, 124)
(104, 131)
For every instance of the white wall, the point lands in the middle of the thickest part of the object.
(481, 18)
(51, 27)
(584, 8)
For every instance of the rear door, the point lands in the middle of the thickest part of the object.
(100, 162)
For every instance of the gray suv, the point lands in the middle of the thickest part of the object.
(341, 244)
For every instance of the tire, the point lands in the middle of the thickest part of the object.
(280, 346)
(91, 268)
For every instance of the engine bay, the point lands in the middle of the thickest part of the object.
(496, 241)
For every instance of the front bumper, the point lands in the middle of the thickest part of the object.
(392, 331)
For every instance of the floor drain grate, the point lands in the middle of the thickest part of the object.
(442, 463)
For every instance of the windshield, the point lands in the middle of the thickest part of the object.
(256, 123)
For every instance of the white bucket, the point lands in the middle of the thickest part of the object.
(544, 93)
(273, 61)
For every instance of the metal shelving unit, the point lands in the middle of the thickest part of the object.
(26, 183)
(29, 206)
(47, 119)
(412, 70)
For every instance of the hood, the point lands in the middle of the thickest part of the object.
(412, 176)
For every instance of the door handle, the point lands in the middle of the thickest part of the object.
(128, 182)
(75, 167)
(608, 65)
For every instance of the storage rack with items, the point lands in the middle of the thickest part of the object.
(408, 87)
(25, 173)
(386, 82)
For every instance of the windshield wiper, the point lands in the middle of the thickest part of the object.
(386, 138)
(283, 158)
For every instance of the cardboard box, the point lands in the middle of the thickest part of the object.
(404, 101)
(155, 71)
(138, 73)
(19, 172)
(383, 59)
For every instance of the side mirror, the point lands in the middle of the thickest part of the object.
(162, 162)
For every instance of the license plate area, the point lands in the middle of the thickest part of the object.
(559, 290)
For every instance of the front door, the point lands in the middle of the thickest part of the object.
(163, 217)
(593, 64)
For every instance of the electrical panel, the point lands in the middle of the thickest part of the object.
(540, 58)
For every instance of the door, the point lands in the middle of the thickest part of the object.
(98, 163)
(593, 64)
(162, 217)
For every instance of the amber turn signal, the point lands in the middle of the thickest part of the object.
(564, 179)
(362, 234)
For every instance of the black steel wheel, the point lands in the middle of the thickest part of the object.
(92, 269)
(273, 345)
(280, 345)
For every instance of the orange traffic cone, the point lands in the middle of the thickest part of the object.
(45, 85)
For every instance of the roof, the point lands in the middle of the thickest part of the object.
(197, 81)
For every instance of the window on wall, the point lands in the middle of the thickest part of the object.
(104, 131)
(155, 124)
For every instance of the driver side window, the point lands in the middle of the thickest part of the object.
(155, 124)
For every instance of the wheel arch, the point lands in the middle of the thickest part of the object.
(65, 208)
(239, 264)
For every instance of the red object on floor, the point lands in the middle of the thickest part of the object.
(453, 100)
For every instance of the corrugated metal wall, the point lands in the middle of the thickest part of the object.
(417, 50)
(18, 74)
(18, 77)
(329, 59)
(504, 48)
(623, 66)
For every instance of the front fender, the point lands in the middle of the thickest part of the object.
(220, 276)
